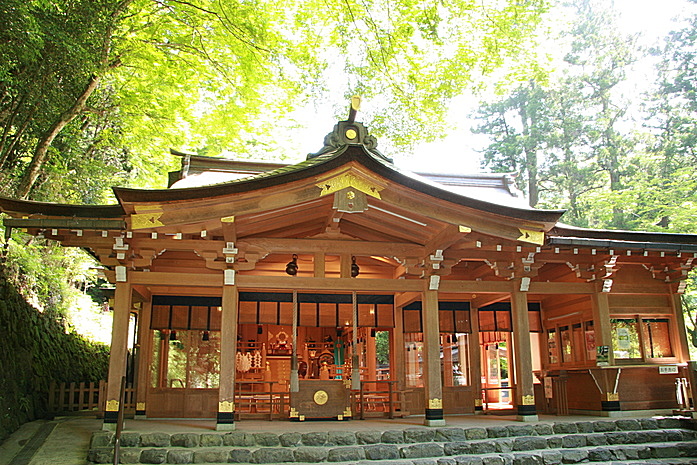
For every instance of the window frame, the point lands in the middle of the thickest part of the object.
(644, 359)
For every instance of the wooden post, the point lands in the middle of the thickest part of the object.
(432, 377)
(144, 354)
(371, 356)
(475, 361)
(319, 265)
(601, 321)
(524, 392)
(683, 351)
(397, 350)
(600, 305)
(117, 356)
(228, 347)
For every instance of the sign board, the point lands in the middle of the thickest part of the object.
(668, 370)
(548, 387)
(602, 355)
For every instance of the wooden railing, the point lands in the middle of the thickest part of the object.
(259, 399)
(379, 399)
(83, 398)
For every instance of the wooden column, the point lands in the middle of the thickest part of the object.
(319, 265)
(600, 304)
(397, 350)
(475, 361)
(228, 349)
(432, 376)
(370, 356)
(602, 328)
(524, 392)
(683, 349)
(118, 353)
(144, 354)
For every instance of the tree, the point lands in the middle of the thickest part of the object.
(564, 136)
(126, 80)
(519, 125)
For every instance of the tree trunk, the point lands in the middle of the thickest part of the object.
(41, 152)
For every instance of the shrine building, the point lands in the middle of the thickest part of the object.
(343, 287)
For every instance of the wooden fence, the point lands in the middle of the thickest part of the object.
(83, 398)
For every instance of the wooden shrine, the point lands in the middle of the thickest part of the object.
(343, 286)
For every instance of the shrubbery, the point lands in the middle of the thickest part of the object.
(37, 346)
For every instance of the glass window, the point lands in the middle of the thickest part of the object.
(590, 340)
(656, 338)
(625, 338)
(454, 362)
(566, 346)
(189, 361)
(552, 348)
(578, 342)
(414, 346)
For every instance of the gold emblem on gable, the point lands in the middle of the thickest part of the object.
(534, 237)
(146, 220)
(345, 180)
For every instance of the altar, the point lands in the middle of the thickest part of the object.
(319, 399)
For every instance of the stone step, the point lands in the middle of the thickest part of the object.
(495, 452)
(518, 444)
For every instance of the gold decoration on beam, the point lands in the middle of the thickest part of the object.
(534, 237)
(345, 180)
(435, 403)
(226, 406)
(464, 229)
(228, 219)
(528, 400)
(146, 220)
(294, 413)
(112, 405)
(140, 406)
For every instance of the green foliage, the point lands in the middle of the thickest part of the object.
(214, 76)
(382, 347)
(36, 349)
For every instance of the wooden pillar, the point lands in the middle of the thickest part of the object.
(118, 353)
(475, 361)
(602, 328)
(683, 349)
(432, 376)
(370, 356)
(144, 354)
(228, 349)
(524, 392)
(319, 265)
(397, 350)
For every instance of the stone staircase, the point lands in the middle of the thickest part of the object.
(622, 441)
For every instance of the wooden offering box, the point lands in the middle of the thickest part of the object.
(321, 400)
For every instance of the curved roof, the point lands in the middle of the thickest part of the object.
(31, 207)
(324, 163)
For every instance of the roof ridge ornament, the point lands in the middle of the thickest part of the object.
(350, 132)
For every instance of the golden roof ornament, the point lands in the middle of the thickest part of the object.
(350, 132)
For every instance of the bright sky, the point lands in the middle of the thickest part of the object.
(458, 152)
